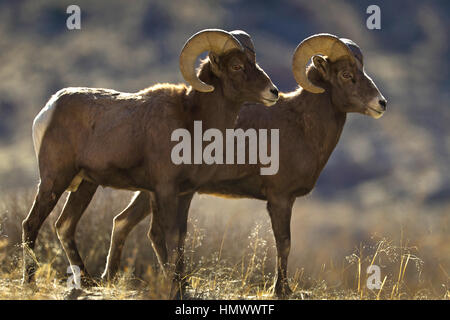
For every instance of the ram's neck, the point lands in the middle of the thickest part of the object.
(319, 120)
(213, 108)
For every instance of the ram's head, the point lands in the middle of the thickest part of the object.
(232, 61)
(337, 67)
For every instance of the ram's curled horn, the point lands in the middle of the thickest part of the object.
(324, 44)
(246, 41)
(215, 40)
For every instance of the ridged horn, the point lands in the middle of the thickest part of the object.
(325, 44)
(246, 41)
(215, 40)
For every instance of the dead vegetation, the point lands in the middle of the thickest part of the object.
(333, 244)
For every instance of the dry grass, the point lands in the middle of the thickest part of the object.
(230, 251)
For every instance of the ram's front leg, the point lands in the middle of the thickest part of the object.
(280, 210)
(164, 229)
(179, 282)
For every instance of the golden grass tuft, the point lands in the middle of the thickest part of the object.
(230, 252)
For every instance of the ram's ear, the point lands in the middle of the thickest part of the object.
(322, 66)
(215, 63)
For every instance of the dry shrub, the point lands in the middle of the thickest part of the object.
(230, 251)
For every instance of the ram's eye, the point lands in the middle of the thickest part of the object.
(347, 75)
(236, 67)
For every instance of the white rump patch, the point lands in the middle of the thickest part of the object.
(42, 121)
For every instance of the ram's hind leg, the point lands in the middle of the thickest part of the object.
(49, 191)
(66, 224)
(124, 222)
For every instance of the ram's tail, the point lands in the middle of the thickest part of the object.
(42, 121)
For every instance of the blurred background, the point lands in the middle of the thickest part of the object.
(387, 178)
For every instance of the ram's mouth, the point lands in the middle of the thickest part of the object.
(374, 113)
(269, 102)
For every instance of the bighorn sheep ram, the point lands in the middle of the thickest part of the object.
(310, 121)
(87, 137)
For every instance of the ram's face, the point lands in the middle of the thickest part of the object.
(354, 91)
(243, 80)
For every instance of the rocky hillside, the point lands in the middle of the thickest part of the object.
(131, 45)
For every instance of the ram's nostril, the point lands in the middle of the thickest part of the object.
(274, 92)
(383, 103)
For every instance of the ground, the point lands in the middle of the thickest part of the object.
(230, 251)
